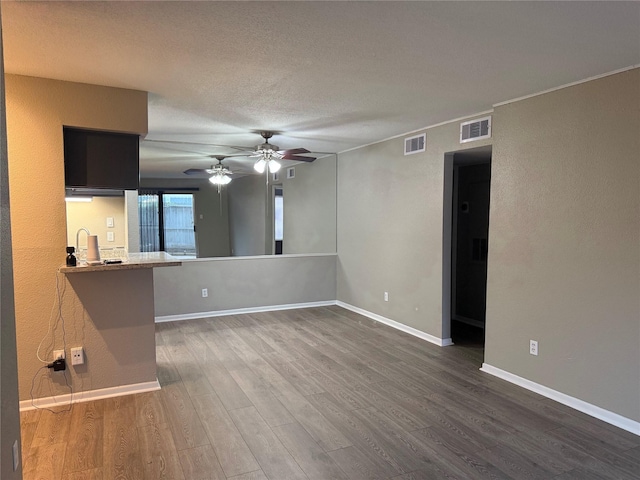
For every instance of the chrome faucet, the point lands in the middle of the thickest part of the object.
(78, 239)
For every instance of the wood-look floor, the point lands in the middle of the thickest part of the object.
(321, 394)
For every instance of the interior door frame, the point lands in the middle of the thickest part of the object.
(448, 217)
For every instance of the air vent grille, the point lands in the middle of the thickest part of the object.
(475, 130)
(415, 144)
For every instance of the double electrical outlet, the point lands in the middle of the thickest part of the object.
(77, 355)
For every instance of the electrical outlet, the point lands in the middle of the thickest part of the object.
(77, 356)
(58, 354)
(386, 296)
(110, 237)
(205, 293)
(533, 347)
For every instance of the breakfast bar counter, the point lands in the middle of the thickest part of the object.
(113, 312)
(132, 262)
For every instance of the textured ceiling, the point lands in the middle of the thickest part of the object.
(328, 75)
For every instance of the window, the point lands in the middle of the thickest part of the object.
(166, 223)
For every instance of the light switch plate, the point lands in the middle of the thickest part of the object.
(110, 222)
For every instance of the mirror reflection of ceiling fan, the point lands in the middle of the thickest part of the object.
(219, 174)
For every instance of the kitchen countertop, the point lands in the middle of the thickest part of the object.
(132, 262)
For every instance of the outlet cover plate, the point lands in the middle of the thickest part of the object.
(77, 356)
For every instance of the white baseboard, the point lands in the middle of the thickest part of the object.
(238, 311)
(442, 342)
(575, 403)
(89, 395)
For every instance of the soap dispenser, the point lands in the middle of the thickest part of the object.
(71, 258)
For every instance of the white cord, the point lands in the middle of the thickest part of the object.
(33, 404)
(58, 299)
(49, 329)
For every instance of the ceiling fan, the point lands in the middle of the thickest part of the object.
(219, 173)
(268, 155)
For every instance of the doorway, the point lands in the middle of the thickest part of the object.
(278, 220)
(470, 184)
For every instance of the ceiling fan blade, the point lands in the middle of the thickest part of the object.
(198, 171)
(294, 151)
(298, 158)
(180, 142)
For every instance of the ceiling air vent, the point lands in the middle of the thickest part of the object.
(475, 129)
(415, 144)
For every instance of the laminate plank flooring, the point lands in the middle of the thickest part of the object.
(319, 394)
(85, 443)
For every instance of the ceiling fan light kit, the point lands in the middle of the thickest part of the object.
(220, 179)
(220, 175)
(261, 165)
(268, 155)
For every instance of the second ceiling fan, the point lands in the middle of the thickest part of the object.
(219, 173)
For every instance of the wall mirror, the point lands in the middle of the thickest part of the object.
(293, 212)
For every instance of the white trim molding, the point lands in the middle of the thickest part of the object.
(575, 403)
(567, 85)
(441, 342)
(89, 395)
(239, 311)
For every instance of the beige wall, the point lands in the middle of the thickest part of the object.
(564, 236)
(93, 216)
(390, 209)
(36, 111)
(244, 282)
